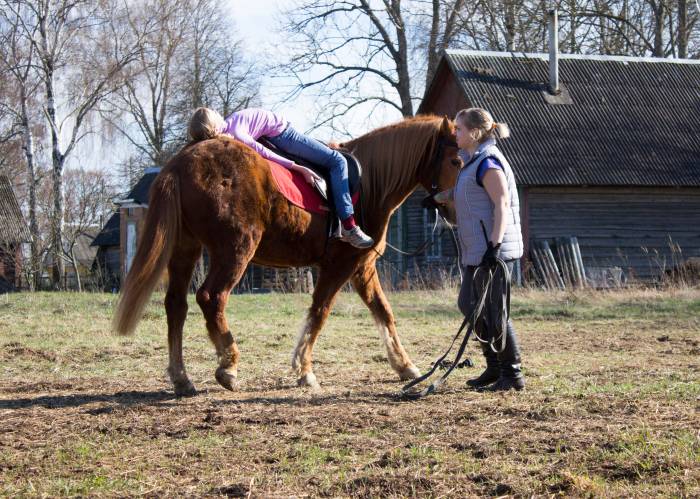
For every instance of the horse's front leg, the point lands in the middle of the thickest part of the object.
(366, 283)
(329, 282)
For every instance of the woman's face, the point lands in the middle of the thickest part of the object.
(465, 136)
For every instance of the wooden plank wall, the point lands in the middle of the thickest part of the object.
(10, 263)
(631, 228)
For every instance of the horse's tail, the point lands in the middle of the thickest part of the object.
(159, 236)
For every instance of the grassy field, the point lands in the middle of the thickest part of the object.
(611, 407)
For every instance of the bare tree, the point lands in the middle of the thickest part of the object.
(445, 20)
(351, 53)
(146, 94)
(219, 75)
(89, 196)
(186, 58)
(79, 55)
(18, 59)
(658, 28)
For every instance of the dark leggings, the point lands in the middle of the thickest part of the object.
(464, 302)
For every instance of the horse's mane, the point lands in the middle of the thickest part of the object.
(390, 156)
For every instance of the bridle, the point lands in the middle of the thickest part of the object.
(436, 164)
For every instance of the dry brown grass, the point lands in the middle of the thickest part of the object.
(611, 407)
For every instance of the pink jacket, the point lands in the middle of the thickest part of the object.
(248, 125)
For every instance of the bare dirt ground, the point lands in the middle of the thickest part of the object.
(611, 406)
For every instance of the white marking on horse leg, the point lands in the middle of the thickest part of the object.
(309, 379)
(411, 372)
(302, 342)
(392, 354)
(226, 360)
(398, 360)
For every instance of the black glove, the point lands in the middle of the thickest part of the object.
(429, 203)
(493, 251)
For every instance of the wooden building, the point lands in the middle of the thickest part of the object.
(612, 159)
(13, 233)
(107, 265)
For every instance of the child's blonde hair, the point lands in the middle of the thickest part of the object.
(476, 118)
(205, 124)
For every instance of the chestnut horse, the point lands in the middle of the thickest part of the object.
(220, 194)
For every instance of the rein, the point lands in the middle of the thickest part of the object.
(429, 241)
(497, 274)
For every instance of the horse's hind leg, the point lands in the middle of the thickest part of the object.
(225, 272)
(366, 283)
(180, 269)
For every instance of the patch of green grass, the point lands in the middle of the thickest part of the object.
(91, 485)
(666, 388)
(638, 455)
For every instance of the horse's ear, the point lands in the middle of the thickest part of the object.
(446, 127)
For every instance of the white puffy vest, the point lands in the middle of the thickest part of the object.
(472, 205)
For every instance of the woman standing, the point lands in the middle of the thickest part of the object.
(486, 193)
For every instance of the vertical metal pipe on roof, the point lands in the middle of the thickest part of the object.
(553, 52)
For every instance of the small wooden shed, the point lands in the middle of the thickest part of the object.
(612, 159)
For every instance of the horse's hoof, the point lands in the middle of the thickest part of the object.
(309, 379)
(411, 372)
(185, 389)
(227, 378)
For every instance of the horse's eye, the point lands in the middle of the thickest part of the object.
(457, 163)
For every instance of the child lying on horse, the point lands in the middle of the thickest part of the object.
(248, 125)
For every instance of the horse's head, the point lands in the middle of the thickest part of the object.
(442, 166)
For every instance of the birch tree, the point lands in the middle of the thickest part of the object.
(78, 55)
(18, 61)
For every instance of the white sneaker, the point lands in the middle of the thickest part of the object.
(355, 237)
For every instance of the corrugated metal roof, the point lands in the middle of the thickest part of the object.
(13, 228)
(633, 121)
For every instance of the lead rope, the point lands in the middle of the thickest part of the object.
(495, 332)
(426, 244)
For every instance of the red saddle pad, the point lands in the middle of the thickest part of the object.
(298, 191)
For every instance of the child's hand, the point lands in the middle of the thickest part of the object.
(308, 175)
(335, 145)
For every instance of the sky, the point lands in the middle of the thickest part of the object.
(257, 24)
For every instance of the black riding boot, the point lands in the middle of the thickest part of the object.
(491, 373)
(510, 375)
